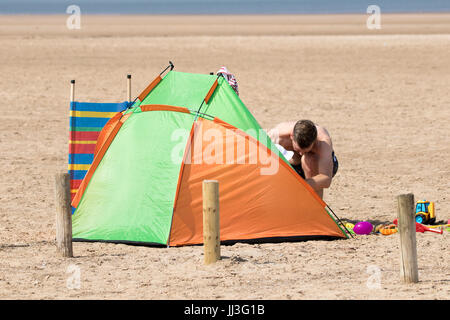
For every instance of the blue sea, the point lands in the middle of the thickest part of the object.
(221, 6)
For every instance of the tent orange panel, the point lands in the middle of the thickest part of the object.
(260, 197)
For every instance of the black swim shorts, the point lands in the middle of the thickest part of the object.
(299, 169)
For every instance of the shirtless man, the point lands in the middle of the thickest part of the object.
(313, 158)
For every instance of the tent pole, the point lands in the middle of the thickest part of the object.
(171, 66)
(208, 96)
(340, 221)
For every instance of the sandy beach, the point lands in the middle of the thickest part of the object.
(382, 94)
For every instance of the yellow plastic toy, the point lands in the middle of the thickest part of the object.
(350, 227)
(425, 212)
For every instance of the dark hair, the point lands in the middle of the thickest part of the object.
(305, 133)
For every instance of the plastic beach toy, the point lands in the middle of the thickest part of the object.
(363, 227)
(349, 226)
(421, 228)
(388, 229)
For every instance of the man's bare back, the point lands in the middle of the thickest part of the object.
(317, 160)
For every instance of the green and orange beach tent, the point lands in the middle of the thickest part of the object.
(144, 185)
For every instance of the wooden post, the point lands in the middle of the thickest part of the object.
(211, 221)
(63, 215)
(72, 90)
(407, 229)
(129, 87)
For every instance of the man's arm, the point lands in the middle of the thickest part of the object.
(296, 159)
(323, 179)
(274, 135)
(281, 135)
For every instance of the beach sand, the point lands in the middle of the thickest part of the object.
(382, 94)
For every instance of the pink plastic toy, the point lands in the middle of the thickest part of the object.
(363, 227)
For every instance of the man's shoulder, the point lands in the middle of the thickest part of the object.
(322, 133)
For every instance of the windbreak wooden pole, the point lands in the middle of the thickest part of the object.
(72, 90)
(62, 202)
(129, 88)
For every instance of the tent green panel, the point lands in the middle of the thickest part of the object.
(131, 194)
(181, 89)
(188, 90)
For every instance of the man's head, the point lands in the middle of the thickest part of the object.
(304, 136)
